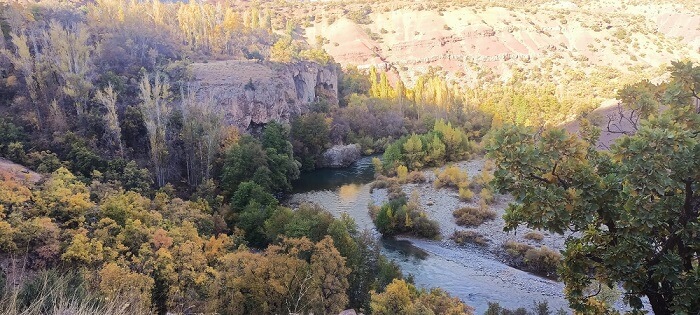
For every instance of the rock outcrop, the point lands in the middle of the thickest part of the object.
(340, 156)
(251, 93)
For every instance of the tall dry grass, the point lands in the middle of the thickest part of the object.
(52, 292)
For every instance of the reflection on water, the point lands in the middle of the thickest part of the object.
(361, 172)
(349, 192)
(404, 248)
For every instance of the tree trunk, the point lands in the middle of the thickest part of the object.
(658, 303)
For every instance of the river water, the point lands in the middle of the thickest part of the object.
(473, 275)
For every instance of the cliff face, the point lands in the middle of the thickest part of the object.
(250, 93)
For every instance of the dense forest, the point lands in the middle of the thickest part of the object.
(139, 198)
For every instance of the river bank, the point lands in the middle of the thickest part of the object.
(475, 275)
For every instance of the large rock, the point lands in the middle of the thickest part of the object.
(340, 156)
(251, 93)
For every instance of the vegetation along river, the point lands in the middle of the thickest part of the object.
(476, 276)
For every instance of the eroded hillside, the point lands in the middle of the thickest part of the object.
(591, 46)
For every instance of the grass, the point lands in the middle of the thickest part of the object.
(53, 292)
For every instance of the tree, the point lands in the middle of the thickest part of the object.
(284, 50)
(248, 160)
(64, 198)
(155, 111)
(635, 207)
(201, 133)
(332, 275)
(310, 138)
(414, 152)
(71, 55)
(113, 134)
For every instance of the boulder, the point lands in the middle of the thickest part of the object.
(340, 156)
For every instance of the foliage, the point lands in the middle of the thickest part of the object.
(452, 176)
(272, 167)
(443, 144)
(310, 138)
(54, 291)
(534, 236)
(538, 308)
(404, 216)
(401, 297)
(634, 206)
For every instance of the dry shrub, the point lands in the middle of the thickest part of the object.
(465, 194)
(471, 216)
(484, 178)
(383, 182)
(541, 260)
(452, 176)
(487, 196)
(534, 236)
(473, 237)
(415, 177)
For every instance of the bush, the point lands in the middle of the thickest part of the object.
(473, 237)
(471, 216)
(540, 260)
(401, 216)
(415, 177)
(465, 194)
(452, 176)
(534, 236)
(487, 196)
(484, 177)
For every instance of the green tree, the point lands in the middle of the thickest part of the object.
(310, 138)
(634, 207)
(414, 152)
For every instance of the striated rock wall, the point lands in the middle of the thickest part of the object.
(250, 93)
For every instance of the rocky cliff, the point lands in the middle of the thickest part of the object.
(252, 93)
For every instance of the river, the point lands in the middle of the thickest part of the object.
(475, 276)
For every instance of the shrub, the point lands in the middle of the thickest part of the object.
(484, 177)
(415, 177)
(534, 236)
(401, 173)
(383, 182)
(404, 216)
(465, 194)
(473, 237)
(541, 260)
(487, 196)
(471, 216)
(452, 176)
